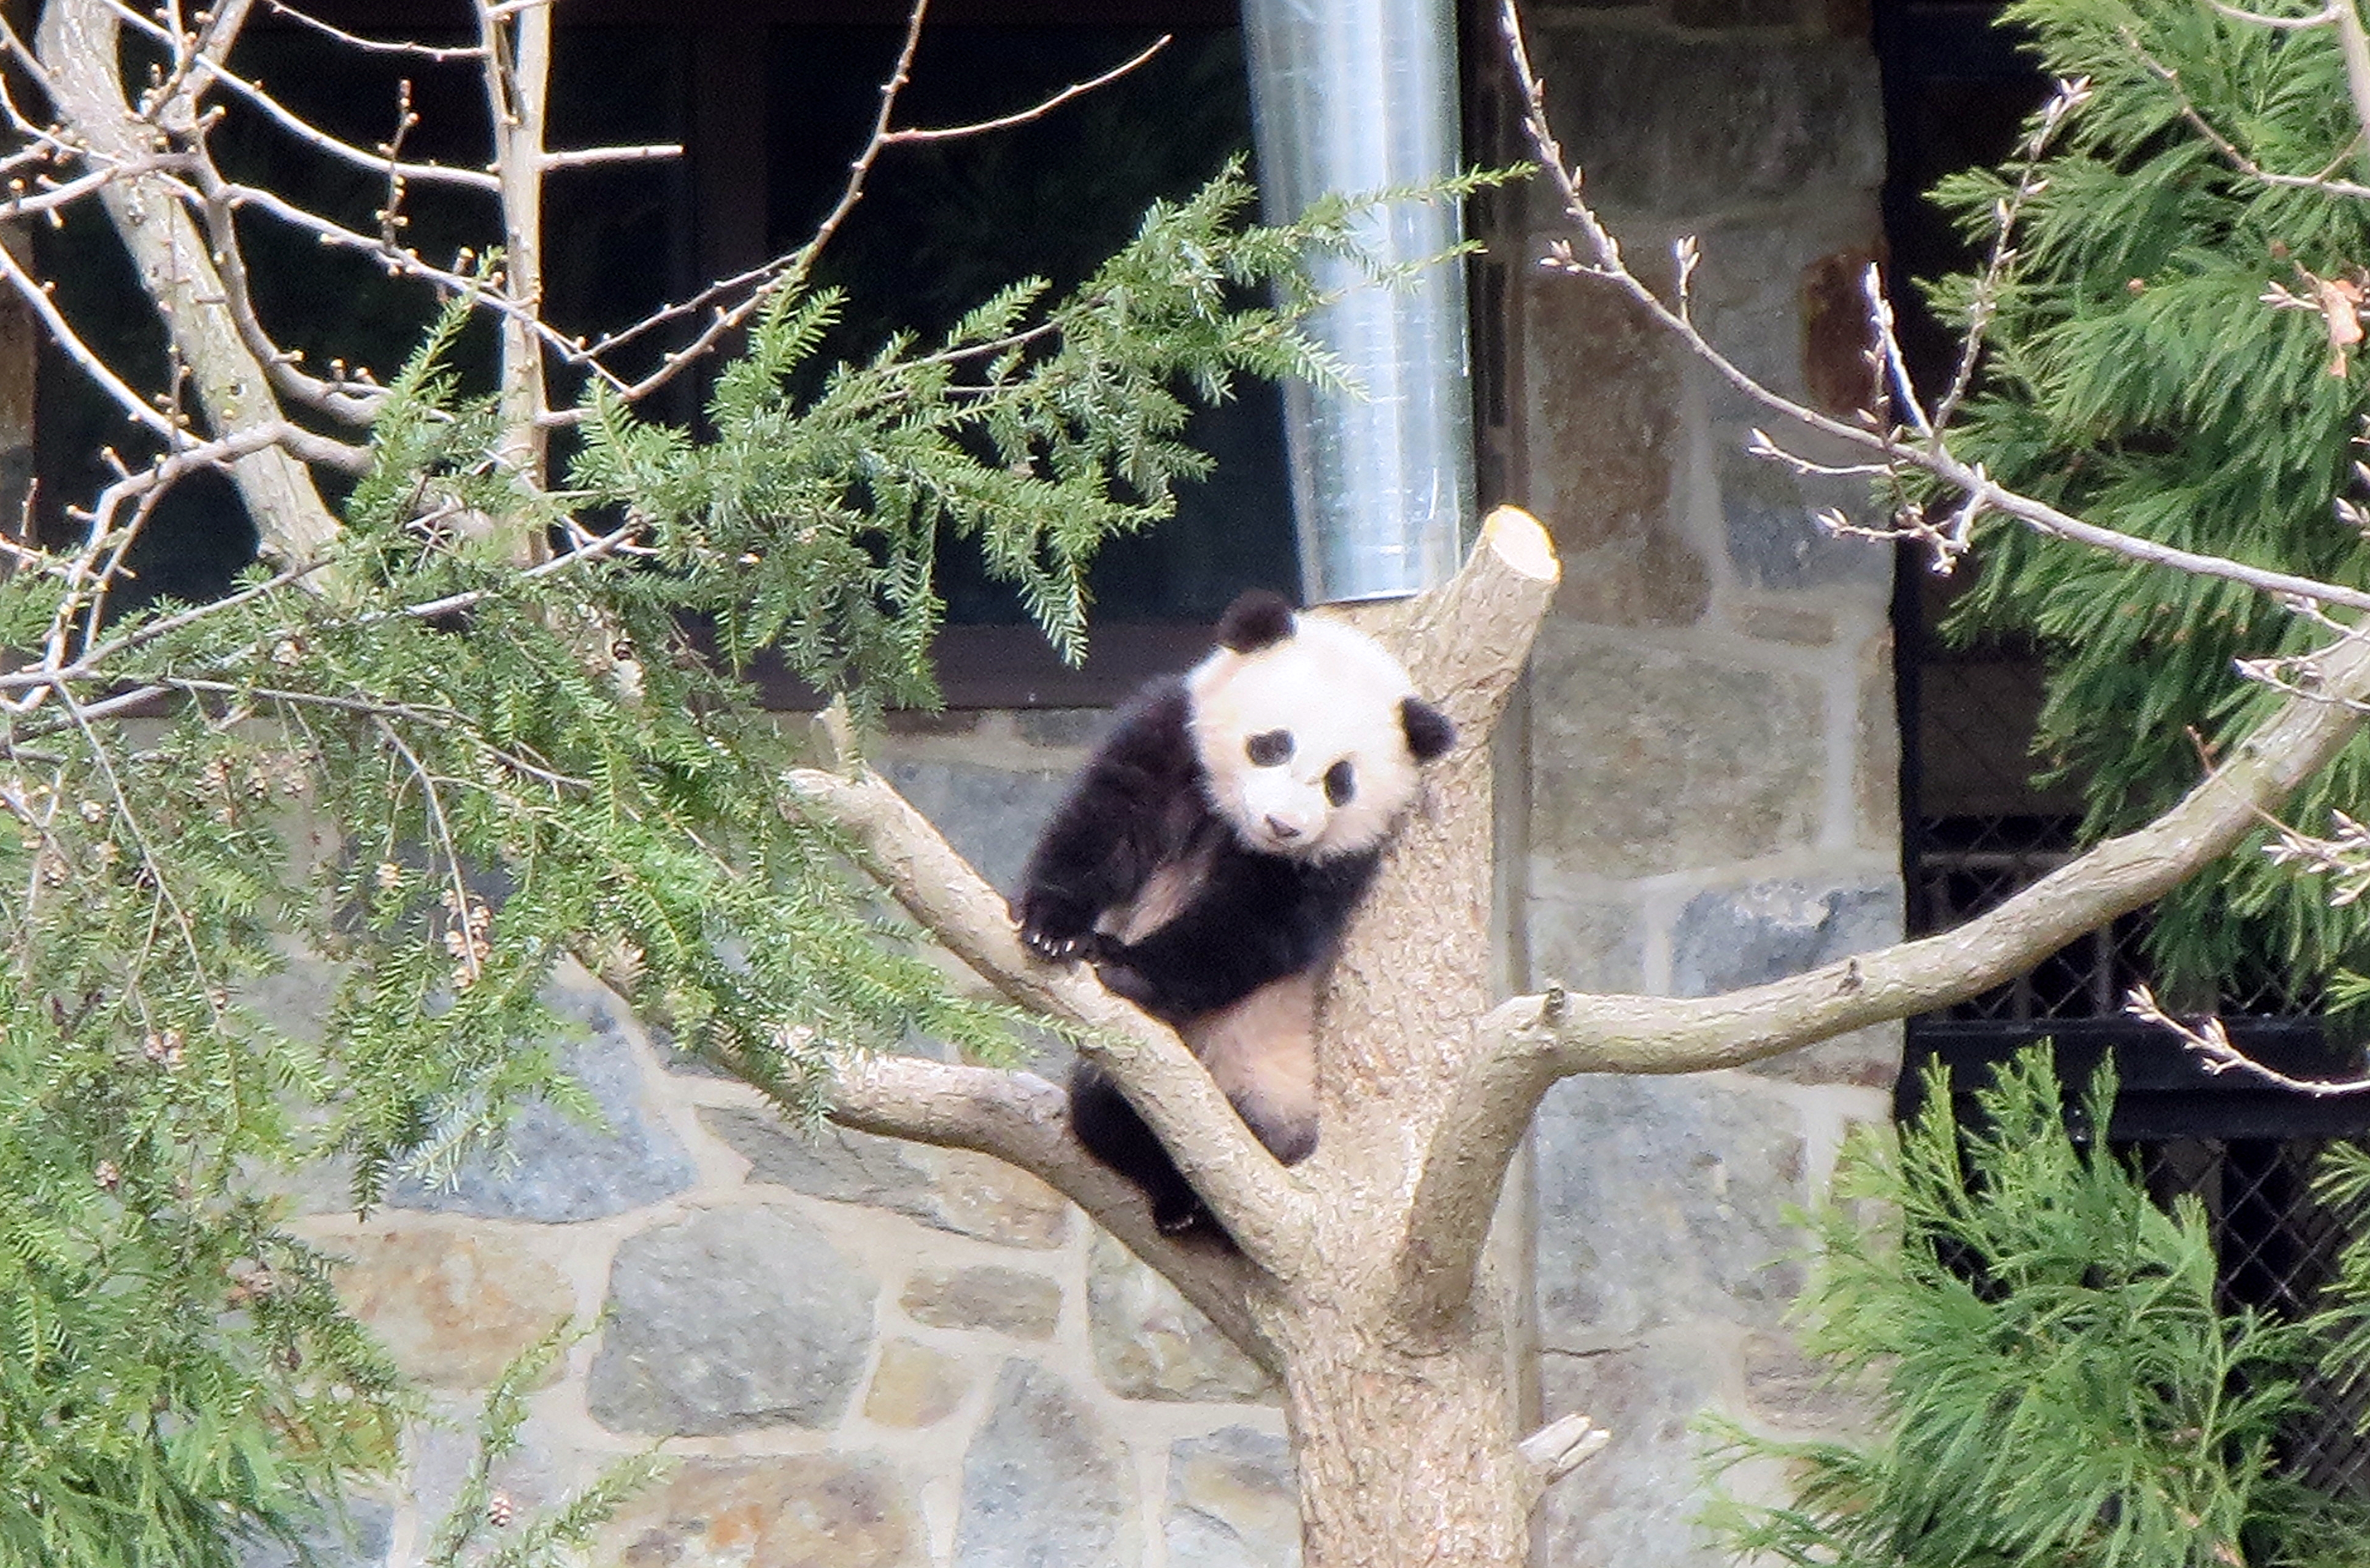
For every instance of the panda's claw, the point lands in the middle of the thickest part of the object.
(1055, 930)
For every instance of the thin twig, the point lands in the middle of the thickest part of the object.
(434, 808)
(1043, 108)
(2211, 1041)
(2232, 153)
(373, 45)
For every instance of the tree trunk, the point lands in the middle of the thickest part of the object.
(1403, 1417)
(1406, 1449)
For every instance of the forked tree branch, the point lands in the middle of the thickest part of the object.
(79, 45)
(1532, 1042)
(1254, 1198)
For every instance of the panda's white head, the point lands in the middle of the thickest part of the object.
(1310, 734)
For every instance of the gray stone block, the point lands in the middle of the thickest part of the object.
(1150, 1343)
(552, 1167)
(1668, 124)
(1647, 760)
(1586, 944)
(1043, 1486)
(951, 1190)
(990, 814)
(1636, 1502)
(360, 1539)
(1780, 292)
(1730, 938)
(1774, 538)
(1231, 1502)
(1662, 1201)
(732, 1319)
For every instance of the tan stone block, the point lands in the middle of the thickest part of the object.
(1603, 425)
(453, 1305)
(811, 1511)
(1876, 760)
(1231, 1500)
(1647, 760)
(1149, 1342)
(1009, 1301)
(989, 1199)
(915, 1386)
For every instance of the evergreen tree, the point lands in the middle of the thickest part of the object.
(2138, 376)
(2052, 1379)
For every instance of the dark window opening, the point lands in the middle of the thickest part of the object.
(943, 227)
(769, 103)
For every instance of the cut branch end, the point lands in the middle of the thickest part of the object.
(1562, 1446)
(1521, 542)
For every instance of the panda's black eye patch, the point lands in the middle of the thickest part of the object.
(1269, 748)
(1340, 782)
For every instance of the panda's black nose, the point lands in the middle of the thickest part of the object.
(1282, 828)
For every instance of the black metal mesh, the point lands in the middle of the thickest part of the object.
(2277, 1249)
(1980, 827)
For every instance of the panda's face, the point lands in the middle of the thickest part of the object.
(1303, 742)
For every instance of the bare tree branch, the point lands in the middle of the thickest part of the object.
(213, 75)
(1532, 1042)
(748, 291)
(78, 46)
(517, 68)
(372, 45)
(1038, 110)
(1982, 494)
(1024, 1121)
(1562, 1446)
(2211, 1041)
(2232, 153)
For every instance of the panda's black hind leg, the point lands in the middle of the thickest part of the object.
(1108, 1127)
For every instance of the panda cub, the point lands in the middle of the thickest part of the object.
(1209, 856)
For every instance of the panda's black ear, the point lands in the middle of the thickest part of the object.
(1257, 620)
(1428, 732)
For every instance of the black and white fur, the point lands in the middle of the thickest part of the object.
(1209, 856)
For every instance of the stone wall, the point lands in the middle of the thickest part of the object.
(1711, 724)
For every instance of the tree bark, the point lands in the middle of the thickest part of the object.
(79, 46)
(1407, 1453)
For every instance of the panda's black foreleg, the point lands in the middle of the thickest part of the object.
(1110, 1130)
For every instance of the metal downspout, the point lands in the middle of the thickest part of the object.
(1353, 95)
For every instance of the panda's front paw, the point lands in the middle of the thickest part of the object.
(1122, 979)
(1055, 929)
